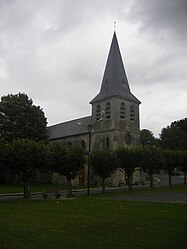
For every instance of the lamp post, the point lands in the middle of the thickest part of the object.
(89, 128)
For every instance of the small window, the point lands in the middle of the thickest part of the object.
(122, 110)
(132, 113)
(98, 112)
(107, 110)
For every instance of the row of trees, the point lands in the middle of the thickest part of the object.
(147, 159)
(27, 157)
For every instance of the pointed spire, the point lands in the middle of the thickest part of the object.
(115, 81)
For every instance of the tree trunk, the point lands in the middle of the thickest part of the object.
(26, 190)
(69, 188)
(151, 180)
(170, 179)
(185, 177)
(103, 185)
(130, 182)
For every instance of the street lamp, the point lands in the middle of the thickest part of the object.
(89, 128)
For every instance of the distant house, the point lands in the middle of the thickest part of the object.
(114, 120)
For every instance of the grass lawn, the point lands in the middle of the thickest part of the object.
(90, 222)
(18, 188)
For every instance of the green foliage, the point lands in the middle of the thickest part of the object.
(147, 138)
(19, 118)
(174, 137)
(25, 157)
(151, 159)
(1, 154)
(172, 161)
(68, 161)
(104, 163)
(129, 160)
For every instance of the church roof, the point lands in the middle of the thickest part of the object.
(69, 128)
(115, 83)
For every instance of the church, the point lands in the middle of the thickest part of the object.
(114, 120)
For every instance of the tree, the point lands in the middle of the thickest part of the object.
(174, 137)
(25, 157)
(171, 162)
(128, 161)
(151, 159)
(147, 138)
(19, 118)
(104, 163)
(67, 161)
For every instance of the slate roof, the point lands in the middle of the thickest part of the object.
(69, 128)
(115, 82)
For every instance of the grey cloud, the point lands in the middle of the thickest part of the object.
(166, 17)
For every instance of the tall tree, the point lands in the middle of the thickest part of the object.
(174, 136)
(147, 138)
(67, 161)
(19, 118)
(25, 157)
(104, 163)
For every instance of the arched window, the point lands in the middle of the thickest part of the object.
(83, 144)
(132, 113)
(98, 112)
(107, 143)
(107, 110)
(122, 110)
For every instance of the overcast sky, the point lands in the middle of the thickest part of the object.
(55, 51)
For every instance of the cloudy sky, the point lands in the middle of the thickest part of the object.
(55, 51)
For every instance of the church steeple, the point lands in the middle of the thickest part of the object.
(115, 83)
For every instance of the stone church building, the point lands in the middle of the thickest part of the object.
(114, 120)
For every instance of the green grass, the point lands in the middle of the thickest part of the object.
(180, 188)
(90, 222)
(18, 188)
